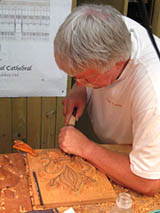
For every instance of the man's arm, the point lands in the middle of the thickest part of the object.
(113, 164)
(117, 167)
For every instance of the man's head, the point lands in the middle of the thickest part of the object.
(93, 37)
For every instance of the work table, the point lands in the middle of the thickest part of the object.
(141, 203)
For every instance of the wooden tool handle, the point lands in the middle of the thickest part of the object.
(72, 120)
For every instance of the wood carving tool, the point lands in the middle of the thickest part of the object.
(72, 120)
(45, 211)
(20, 145)
(38, 189)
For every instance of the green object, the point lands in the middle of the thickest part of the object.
(156, 211)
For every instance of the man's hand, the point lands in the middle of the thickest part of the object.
(73, 141)
(75, 98)
(113, 164)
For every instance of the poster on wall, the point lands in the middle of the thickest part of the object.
(27, 31)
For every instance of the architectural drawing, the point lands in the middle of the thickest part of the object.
(24, 20)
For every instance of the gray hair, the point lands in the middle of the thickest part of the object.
(92, 36)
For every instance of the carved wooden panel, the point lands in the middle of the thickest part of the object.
(66, 180)
(14, 194)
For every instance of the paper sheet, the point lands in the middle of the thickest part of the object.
(27, 31)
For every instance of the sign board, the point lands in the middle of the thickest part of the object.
(27, 31)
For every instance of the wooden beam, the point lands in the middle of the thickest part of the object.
(156, 18)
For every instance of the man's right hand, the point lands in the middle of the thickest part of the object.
(75, 98)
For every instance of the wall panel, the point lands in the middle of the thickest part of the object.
(18, 118)
(5, 125)
(34, 122)
(48, 122)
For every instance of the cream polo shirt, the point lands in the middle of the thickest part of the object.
(128, 111)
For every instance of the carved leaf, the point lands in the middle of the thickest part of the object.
(70, 178)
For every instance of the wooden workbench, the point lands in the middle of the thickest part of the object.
(141, 204)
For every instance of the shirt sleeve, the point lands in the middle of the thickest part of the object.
(145, 155)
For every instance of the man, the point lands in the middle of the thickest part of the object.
(117, 75)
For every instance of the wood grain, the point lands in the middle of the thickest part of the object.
(48, 122)
(14, 194)
(26, 119)
(34, 107)
(18, 118)
(5, 125)
(60, 122)
(156, 18)
(66, 180)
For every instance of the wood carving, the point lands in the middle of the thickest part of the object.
(66, 180)
(14, 194)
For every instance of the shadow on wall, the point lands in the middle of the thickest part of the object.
(85, 126)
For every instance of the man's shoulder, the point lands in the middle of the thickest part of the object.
(131, 22)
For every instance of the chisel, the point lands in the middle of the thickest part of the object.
(72, 120)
